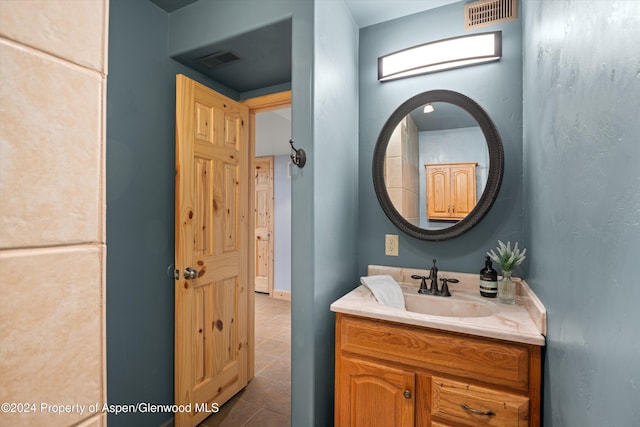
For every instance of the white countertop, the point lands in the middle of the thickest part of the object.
(524, 322)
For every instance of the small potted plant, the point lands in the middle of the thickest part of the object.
(508, 259)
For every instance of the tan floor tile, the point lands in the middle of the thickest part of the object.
(266, 418)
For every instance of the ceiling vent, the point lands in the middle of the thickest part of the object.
(217, 59)
(488, 12)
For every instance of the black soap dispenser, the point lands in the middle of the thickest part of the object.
(488, 280)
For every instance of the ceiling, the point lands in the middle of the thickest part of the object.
(234, 61)
(364, 12)
(444, 117)
(370, 12)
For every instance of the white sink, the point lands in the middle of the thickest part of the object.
(446, 306)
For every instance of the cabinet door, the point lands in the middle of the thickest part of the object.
(471, 405)
(374, 395)
(438, 182)
(463, 190)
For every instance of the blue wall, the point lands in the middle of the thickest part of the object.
(325, 199)
(497, 87)
(582, 193)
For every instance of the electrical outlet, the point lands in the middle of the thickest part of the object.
(391, 244)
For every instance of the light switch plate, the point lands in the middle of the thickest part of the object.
(391, 244)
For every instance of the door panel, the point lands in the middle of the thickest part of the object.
(264, 224)
(373, 394)
(212, 222)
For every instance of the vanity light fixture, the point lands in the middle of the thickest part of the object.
(441, 55)
(428, 108)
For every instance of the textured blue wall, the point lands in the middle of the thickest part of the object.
(497, 87)
(302, 297)
(582, 193)
(325, 199)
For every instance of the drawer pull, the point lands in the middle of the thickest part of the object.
(477, 412)
(407, 394)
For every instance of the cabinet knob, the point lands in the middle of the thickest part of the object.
(407, 394)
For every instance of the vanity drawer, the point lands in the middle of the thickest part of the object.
(482, 359)
(471, 405)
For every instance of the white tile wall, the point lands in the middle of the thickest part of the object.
(52, 218)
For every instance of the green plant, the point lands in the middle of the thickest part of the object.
(507, 258)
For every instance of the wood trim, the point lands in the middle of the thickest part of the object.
(285, 295)
(269, 102)
(535, 384)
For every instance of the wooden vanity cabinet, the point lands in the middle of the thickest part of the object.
(451, 190)
(388, 374)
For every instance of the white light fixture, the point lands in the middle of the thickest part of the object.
(441, 55)
(428, 108)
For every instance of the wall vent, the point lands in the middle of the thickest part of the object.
(217, 59)
(488, 12)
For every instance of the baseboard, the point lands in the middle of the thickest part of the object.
(285, 295)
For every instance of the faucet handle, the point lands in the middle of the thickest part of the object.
(423, 284)
(445, 287)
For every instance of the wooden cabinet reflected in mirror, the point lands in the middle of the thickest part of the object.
(451, 190)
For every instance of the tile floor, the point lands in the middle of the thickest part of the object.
(266, 401)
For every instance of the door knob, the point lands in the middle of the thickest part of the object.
(190, 273)
(407, 394)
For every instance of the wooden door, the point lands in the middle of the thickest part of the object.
(438, 203)
(214, 195)
(463, 190)
(374, 395)
(264, 224)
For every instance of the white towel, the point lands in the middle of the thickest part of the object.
(385, 289)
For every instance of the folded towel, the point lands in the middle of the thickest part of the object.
(385, 289)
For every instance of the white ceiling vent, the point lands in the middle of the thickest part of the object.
(488, 12)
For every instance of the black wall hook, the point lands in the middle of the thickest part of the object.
(298, 157)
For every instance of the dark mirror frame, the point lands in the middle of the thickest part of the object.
(494, 178)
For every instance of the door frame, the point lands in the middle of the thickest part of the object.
(259, 104)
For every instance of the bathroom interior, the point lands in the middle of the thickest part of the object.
(564, 97)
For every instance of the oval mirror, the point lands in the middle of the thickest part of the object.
(437, 165)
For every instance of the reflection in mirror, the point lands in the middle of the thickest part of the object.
(452, 185)
(436, 165)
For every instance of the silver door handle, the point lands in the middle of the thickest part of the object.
(190, 273)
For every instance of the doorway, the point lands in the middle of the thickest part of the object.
(270, 131)
(273, 203)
